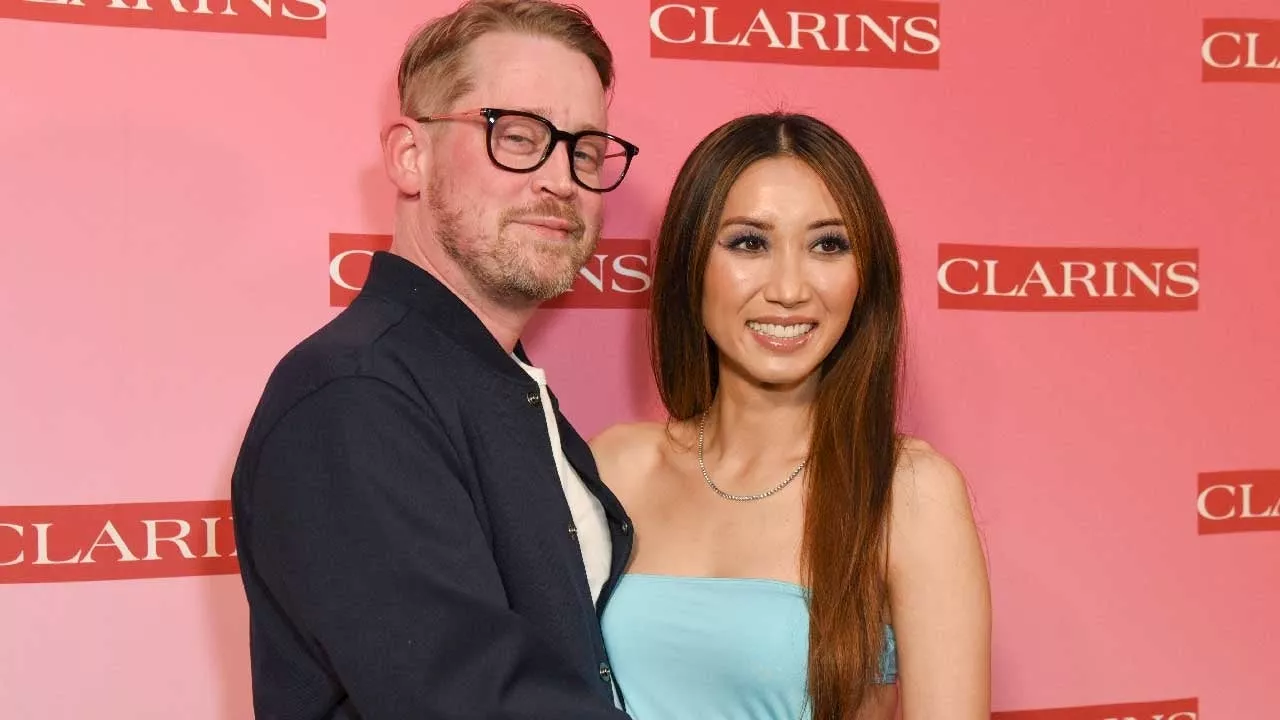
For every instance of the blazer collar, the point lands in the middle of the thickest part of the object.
(395, 278)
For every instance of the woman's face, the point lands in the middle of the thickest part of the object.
(781, 277)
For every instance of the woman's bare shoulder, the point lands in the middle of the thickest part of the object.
(932, 506)
(922, 467)
(627, 452)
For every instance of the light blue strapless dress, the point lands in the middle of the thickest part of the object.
(696, 648)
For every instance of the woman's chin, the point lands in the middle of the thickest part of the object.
(780, 378)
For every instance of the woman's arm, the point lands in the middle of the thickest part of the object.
(939, 594)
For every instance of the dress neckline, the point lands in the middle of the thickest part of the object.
(707, 579)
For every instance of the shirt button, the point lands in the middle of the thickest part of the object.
(605, 673)
(573, 530)
(533, 398)
(626, 528)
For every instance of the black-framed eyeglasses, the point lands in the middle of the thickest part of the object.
(521, 142)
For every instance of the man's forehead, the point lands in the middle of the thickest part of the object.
(587, 123)
(539, 76)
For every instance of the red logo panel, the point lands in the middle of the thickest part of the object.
(1240, 50)
(349, 258)
(1238, 501)
(1072, 279)
(1184, 709)
(871, 33)
(296, 18)
(70, 543)
(616, 276)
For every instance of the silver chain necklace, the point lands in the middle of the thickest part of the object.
(702, 424)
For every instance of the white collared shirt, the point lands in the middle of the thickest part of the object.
(588, 515)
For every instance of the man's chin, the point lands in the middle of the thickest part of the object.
(532, 289)
(554, 287)
(557, 270)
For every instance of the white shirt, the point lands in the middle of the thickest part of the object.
(588, 515)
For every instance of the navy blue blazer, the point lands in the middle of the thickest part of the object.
(406, 548)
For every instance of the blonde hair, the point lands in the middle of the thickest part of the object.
(433, 69)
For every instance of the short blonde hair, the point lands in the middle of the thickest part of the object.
(433, 69)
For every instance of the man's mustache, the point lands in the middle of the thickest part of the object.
(548, 210)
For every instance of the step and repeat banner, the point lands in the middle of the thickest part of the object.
(1088, 200)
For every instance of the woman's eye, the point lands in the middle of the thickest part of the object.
(749, 243)
(832, 244)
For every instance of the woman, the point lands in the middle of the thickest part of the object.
(795, 556)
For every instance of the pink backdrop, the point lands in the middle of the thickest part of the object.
(173, 186)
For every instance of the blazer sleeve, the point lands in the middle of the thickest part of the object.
(363, 532)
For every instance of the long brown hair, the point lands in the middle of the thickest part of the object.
(854, 443)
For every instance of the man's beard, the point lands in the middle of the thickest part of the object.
(502, 267)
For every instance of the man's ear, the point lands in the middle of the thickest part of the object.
(404, 154)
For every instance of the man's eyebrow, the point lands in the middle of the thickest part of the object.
(546, 112)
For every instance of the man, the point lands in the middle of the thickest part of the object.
(422, 534)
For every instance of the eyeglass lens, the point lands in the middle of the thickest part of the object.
(519, 143)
